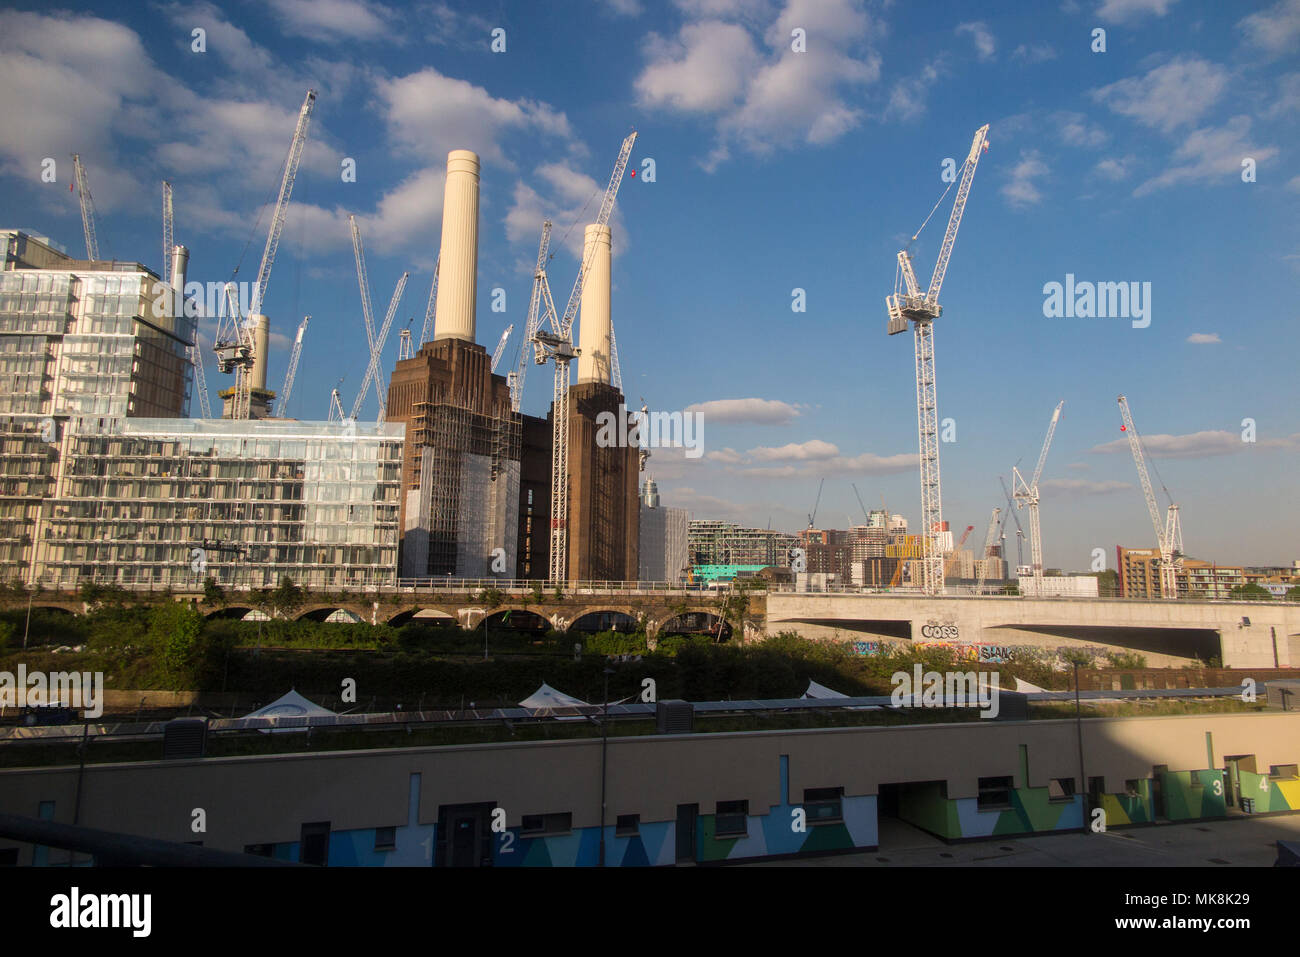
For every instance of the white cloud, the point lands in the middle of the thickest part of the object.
(1034, 53)
(623, 8)
(330, 20)
(1077, 131)
(1193, 445)
(1276, 30)
(751, 411)
(726, 456)
(1288, 97)
(1118, 11)
(704, 70)
(1115, 168)
(565, 196)
(1210, 155)
(907, 98)
(1168, 96)
(813, 449)
(1020, 191)
(1293, 184)
(429, 114)
(764, 100)
(985, 45)
(1204, 338)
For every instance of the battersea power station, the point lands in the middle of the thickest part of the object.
(476, 473)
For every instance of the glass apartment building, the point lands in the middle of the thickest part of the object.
(170, 502)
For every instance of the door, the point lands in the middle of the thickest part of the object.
(687, 815)
(464, 840)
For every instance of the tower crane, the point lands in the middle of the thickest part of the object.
(922, 308)
(556, 345)
(200, 380)
(376, 355)
(812, 518)
(376, 342)
(1026, 494)
(167, 232)
(431, 308)
(1011, 511)
(947, 565)
(87, 208)
(405, 347)
(235, 346)
(286, 390)
(336, 406)
(982, 571)
(500, 350)
(1169, 538)
(616, 377)
(533, 324)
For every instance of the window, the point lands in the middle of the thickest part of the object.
(1283, 771)
(385, 838)
(629, 825)
(1060, 789)
(314, 847)
(824, 805)
(260, 850)
(994, 793)
(534, 825)
(731, 819)
(1131, 788)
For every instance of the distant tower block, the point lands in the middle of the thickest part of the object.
(594, 327)
(457, 280)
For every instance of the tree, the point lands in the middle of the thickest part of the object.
(1251, 592)
(213, 594)
(175, 630)
(284, 599)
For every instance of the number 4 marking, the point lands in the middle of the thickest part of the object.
(1263, 784)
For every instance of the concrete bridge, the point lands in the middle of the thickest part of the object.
(1255, 634)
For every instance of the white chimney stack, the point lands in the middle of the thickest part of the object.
(594, 328)
(458, 269)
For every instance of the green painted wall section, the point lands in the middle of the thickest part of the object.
(925, 806)
(1270, 794)
(1121, 808)
(1193, 794)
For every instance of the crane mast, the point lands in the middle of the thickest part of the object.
(376, 354)
(908, 303)
(167, 232)
(500, 350)
(556, 345)
(287, 389)
(1026, 494)
(235, 345)
(431, 308)
(1170, 537)
(87, 208)
(200, 380)
(533, 324)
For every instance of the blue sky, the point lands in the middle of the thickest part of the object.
(775, 170)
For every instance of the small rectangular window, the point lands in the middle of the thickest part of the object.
(994, 793)
(260, 850)
(824, 805)
(732, 819)
(629, 825)
(1060, 789)
(1283, 771)
(535, 825)
(385, 838)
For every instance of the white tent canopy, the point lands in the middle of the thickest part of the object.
(548, 697)
(821, 691)
(290, 705)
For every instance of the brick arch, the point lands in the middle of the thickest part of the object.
(678, 613)
(577, 614)
(309, 612)
(406, 615)
(233, 612)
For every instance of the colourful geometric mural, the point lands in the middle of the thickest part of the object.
(1269, 794)
(1192, 795)
(1125, 808)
